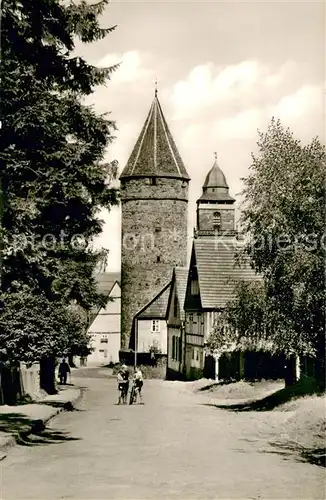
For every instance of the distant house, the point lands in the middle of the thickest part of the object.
(105, 324)
(175, 316)
(149, 330)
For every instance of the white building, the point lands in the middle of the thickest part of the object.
(105, 325)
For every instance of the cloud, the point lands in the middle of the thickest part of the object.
(248, 84)
(131, 68)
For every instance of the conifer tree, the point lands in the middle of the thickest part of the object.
(54, 180)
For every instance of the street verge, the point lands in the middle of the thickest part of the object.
(17, 422)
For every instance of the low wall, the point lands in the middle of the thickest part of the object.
(30, 379)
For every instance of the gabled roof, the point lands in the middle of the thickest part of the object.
(156, 308)
(179, 282)
(106, 281)
(218, 270)
(105, 284)
(155, 153)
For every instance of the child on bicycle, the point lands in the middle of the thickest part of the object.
(139, 382)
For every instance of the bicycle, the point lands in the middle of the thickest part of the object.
(133, 394)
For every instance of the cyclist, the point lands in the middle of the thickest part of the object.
(139, 382)
(125, 376)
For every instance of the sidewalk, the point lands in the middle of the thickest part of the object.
(16, 422)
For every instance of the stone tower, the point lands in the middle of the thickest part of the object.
(215, 207)
(154, 201)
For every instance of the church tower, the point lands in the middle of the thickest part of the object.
(154, 201)
(215, 207)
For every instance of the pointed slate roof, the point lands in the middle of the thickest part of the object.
(155, 153)
(218, 270)
(215, 187)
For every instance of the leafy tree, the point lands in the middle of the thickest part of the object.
(284, 217)
(54, 180)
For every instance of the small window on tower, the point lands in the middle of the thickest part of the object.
(153, 181)
(158, 259)
(217, 219)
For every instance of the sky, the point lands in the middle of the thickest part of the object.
(224, 69)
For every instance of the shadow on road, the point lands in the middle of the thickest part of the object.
(45, 437)
(14, 423)
(315, 456)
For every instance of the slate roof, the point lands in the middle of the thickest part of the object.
(215, 177)
(156, 308)
(215, 187)
(181, 279)
(106, 281)
(155, 153)
(218, 271)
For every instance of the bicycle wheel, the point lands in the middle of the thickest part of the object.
(132, 395)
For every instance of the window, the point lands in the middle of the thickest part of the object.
(155, 326)
(194, 288)
(193, 353)
(104, 340)
(153, 181)
(197, 355)
(158, 229)
(158, 259)
(217, 219)
(173, 347)
(191, 318)
(180, 349)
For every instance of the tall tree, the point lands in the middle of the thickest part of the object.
(53, 175)
(284, 217)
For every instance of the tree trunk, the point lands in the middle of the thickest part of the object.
(290, 371)
(47, 375)
(71, 362)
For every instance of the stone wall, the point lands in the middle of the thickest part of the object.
(154, 240)
(205, 217)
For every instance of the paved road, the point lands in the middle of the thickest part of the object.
(173, 447)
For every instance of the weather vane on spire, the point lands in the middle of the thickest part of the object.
(156, 87)
(215, 154)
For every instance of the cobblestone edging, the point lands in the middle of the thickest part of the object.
(37, 415)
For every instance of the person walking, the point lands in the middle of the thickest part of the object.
(64, 369)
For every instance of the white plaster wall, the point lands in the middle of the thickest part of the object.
(147, 338)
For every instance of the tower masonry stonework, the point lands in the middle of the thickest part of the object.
(154, 204)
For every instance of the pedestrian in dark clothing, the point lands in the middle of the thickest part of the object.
(64, 369)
